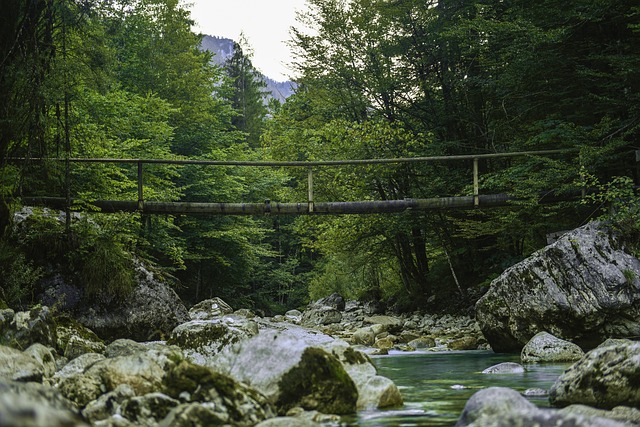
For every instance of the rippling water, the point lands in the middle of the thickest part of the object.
(436, 386)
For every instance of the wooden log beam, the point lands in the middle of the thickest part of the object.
(319, 208)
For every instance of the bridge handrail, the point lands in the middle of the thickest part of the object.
(308, 164)
(299, 163)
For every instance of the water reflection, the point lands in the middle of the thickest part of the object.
(436, 386)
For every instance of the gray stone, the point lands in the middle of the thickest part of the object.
(335, 301)
(505, 368)
(210, 309)
(108, 404)
(389, 323)
(374, 391)
(212, 398)
(44, 356)
(78, 365)
(493, 401)
(150, 312)
(29, 327)
(74, 339)
(544, 347)
(292, 369)
(287, 422)
(364, 336)
(619, 413)
(422, 342)
(148, 410)
(200, 340)
(318, 316)
(16, 411)
(502, 407)
(19, 366)
(604, 378)
(564, 289)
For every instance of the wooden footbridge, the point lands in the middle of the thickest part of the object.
(308, 207)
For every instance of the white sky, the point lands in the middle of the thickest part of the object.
(265, 24)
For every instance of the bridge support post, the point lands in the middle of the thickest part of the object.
(476, 183)
(140, 194)
(310, 184)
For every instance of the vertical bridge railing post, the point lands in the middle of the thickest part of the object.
(476, 183)
(310, 184)
(140, 193)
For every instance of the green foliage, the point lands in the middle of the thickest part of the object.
(101, 258)
(619, 203)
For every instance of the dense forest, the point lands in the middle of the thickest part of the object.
(375, 79)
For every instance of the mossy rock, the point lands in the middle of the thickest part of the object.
(318, 382)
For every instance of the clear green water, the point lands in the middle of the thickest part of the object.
(426, 380)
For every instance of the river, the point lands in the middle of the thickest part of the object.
(436, 386)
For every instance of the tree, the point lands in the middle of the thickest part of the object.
(247, 93)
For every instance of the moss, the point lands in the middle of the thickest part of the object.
(204, 385)
(354, 357)
(319, 382)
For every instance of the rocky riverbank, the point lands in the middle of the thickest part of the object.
(221, 367)
(213, 365)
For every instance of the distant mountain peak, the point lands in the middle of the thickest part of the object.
(222, 49)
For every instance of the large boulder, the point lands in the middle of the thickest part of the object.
(584, 288)
(20, 366)
(35, 405)
(203, 339)
(544, 347)
(23, 328)
(291, 371)
(604, 378)
(150, 312)
(210, 309)
(499, 406)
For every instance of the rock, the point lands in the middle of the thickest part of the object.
(319, 316)
(202, 339)
(464, 343)
(212, 398)
(35, 405)
(604, 378)
(384, 343)
(19, 366)
(74, 339)
(335, 301)
(535, 392)
(364, 336)
(374, 391)
(422, 342)
(619, 413)
(493, 401)
(505, 368)
(78, 365)
(615, 341)
(108, 404)
(293, 316)
(544, 347)
(499, 406)
(287, 422)
(21, 329)
(390, 324)
(210, 309)
(149, 409)
(291, 369)
(583, 288)
(408, 336)
(150, 312)
(44, 357)
(124, 347)
(142, 372)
